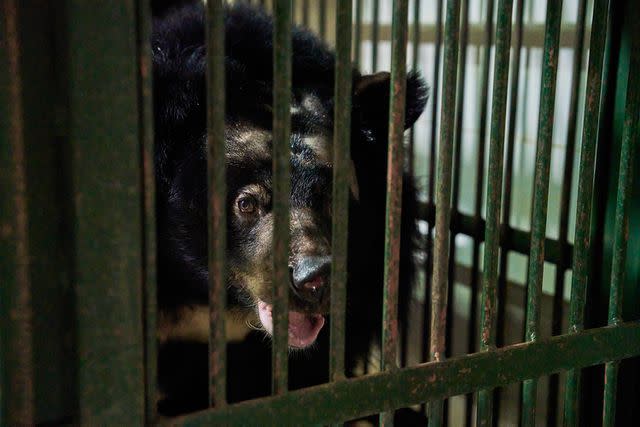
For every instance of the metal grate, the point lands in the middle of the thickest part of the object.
(77, 222)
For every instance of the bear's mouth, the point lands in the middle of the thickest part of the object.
(303, 327)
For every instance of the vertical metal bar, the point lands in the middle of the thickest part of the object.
(281, 190)
(494, 191)
(506, 209)
(322, 5)
(148, 203)
(628, 152)
(415, 50)
(217, 200)
(415, 37)
(443, 199)
(107, 202)
(581, 249)
(305, 13)
(565, 198)
(394, 192)
(457, 155)
(541, 194)
(341, 164)
(375, 35)
(426, 351)
(17, 395)
(475, 271)
(357, 40)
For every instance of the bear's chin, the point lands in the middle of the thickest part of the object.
(303, 327)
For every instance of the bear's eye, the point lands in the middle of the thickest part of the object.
(247, 204)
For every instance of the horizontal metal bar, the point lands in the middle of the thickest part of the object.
(510, 238)
(334, 402)
(532, 36)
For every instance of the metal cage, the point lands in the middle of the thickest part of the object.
(77, 221)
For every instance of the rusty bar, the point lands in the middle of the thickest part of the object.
(628, 152)
(508, 178)
(217, 185)
(375, 34)
(427, 381)
(106, 237)
(415, 49)
(581, 253)
(281, 190)
(484, 94)
(17, 395)
(440, 280)
(357, 36)
(565, 198)
(457, 156)
(494, 191)
(428, 268)
(541, 195)
(149, 205)
(394, 193)
(340, 198)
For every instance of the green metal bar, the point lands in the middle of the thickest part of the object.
(149, 205)
(305, 13)
(394, 192)
(565, 198)
(357, 39)
(477, 218)
(322, 5)
(494, 191)
(415, 48)
(217, 200)
(621, 232)
(334, 402)
(581, 258)
(541, 195)
(428, 269)
(340, 199)
(281, 190)
(17, 382)
(104, 142)
(457, 157)
(375, 34)
(507, 192)
(443, 199)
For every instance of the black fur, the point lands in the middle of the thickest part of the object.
(180, 120)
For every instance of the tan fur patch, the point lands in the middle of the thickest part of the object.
(246, 142)
(192, 324)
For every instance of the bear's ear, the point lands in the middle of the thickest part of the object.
(371, 98)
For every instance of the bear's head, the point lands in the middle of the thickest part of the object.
(180, 114)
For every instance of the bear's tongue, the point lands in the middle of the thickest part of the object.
(303, 328)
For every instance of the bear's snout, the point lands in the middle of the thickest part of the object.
(310, 279)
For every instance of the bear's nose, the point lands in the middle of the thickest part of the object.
(310, 276)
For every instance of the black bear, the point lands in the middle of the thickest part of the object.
(179, 64)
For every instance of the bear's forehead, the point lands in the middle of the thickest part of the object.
(310, 140)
